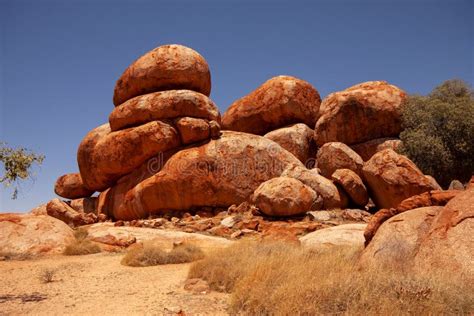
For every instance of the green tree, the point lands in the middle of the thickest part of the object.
(438, 131)
(17, 165)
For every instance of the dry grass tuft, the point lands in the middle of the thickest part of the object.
(283, 279)
(150, 253)
(47, 275)
(81, 245)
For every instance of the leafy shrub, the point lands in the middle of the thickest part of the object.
(438, 132)
(284, 279)
(150, 253)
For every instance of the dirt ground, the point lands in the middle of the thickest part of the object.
(99, 285)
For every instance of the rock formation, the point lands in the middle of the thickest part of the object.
(332, 156)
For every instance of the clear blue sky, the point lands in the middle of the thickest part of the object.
(59, 60)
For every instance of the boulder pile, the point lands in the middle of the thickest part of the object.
(166, 149)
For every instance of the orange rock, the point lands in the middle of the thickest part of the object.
(62, 211)
(297, 139)
(70, 186)
(334, 155)
(28, 234)
(283, 196)
(164, 68)
(105, 156)
(220, 173)
(85, 205)
(280, 101)
(163, 105)
(367, 149)
(360, 113)
(391, 178)
(352, 185)
(192, 130)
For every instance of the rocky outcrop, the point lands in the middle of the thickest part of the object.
(391, 178)
(283, 196)
(366, 111)
(62, 211)
(297, 139)
(222, 172)
(30, 235)
(432, 237)
(431, 198)
(70, 186)
(367, 149)
(352, 184)
(347, 235)
(161, 106)
(334, 155)
(280, 101)
(332, 197)
(166, 67)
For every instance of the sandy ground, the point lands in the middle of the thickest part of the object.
(99, 285)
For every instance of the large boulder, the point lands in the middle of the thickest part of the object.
(64, 212)
(104, 156)
(283, 196)
(332, 197)
(392, 178)
(280, 101)
(29, 234)
(70, 186)
(433, 237)
(163, 105)
(166, 67)
(367, 149)
(332, 156)
(353, 185)
(220, 173)
(346, 235)
(360, 113)
(297, 139)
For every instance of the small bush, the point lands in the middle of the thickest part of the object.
(81, 245)
(47, 275)
(150, 254)
(283, 279)
(439, 132)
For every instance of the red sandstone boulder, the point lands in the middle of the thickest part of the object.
(164, 68)
(280, 101)
(297, 139)
(391, 178)
(28, 234)
(64, 212)
(367, 149)
(105, 156)
(333, 156)
(283, 196)
(70, 186)
(192, 130)
(332, 197)
(163, 105)
(360, 113)
(352, 185)
(220, 173)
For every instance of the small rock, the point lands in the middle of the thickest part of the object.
(236, 234)
(197, 286)
(319, 216)
(174, 220)
(456, 185)
(228, 221)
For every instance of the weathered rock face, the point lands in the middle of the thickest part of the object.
(352, 185)
(70, 186)
(334, 155)
(28, 234)
(192, 130)
(428, 238)
(85, 205)
(360, 113)
(297, 139)
(283, 196)
(367, 149)
(64, 212)
(330, 194)
(163, 105)
(280, 101)
(347, 235)
(164, 68)
(391, 178)
(220, 173)
(105, 156)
